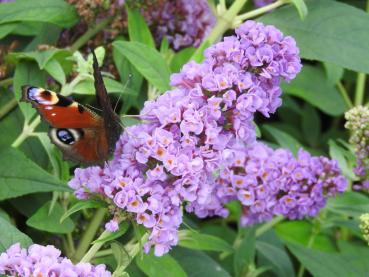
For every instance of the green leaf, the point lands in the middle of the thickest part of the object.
(57, 12)
(6, 29)
(350, 203)
(123, 227)
(27, 73)
(121, 257)
(195, 240)
(312, 86)
(196, 263)
(339, 154)
(159, 266)
(300, 232)
(283, 139)
(321, 264)
(87, 87)
(311, 125)
(301, 8)
(56, 71)
(147, 61)
(277, 257)
(359, 254)
(180, 58)
(245, 253)
(21, 176)
(332, 32)
(138, 29)
(81, 205)
(333, 72)
(50, 222)
(10, 235)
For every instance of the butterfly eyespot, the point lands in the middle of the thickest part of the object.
(65, 136)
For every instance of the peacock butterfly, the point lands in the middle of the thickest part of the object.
(81, 134)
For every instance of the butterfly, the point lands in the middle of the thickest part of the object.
(81, 134)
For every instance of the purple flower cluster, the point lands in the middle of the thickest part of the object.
(271, 182)
(183, 22)
(197, 148)
(358, 124)
(41, 260)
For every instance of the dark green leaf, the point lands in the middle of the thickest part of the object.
(159, 266)
(195, 240)
(21, 176)
(350, 203)
(283, 139)
(245, 253)
(312, 86)
(321, 264)
(338, 153)
(57, 12)
(45, 220)
(80, 205)
(10, 235)
(311, 125)
(331, 32)
(277, 257)
(334, 72)
(138, 29)
(196, 263)
(147, 61)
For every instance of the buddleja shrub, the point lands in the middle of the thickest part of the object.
(235, 160)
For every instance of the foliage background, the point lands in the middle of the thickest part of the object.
(333, 39)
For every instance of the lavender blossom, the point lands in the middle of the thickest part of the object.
(183, 22)
(40, 260)
(271, 182)
(172, 160)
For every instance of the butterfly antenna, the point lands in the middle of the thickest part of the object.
(93, 108)
(124, 88)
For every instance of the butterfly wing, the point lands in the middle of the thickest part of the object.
(112, 124)
(76, 130)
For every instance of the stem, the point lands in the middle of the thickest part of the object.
(90, 33)
(71, 247)
(225, 21)
(8, 107)
(94, 248)
(27, 131)
(345, 95)
(260, 11)
(266, 226)
(360, 89)
(6, 82)
(89, 234)
(103, 253)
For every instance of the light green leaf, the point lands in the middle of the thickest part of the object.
(57, 12)
(180, 58)
(312, 86)
(195, 240)
(45, 220)
(21, 176)
(147, 61)
(10, 235)
(301, 8)
(340, 155)
(123, 227)
(87, 87)
(245, 253)
(332, 32)
(159, 266)
(6, 29)
(56, 71)
(81, 205)
(138, 29)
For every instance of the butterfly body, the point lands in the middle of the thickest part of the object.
(80, 133)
